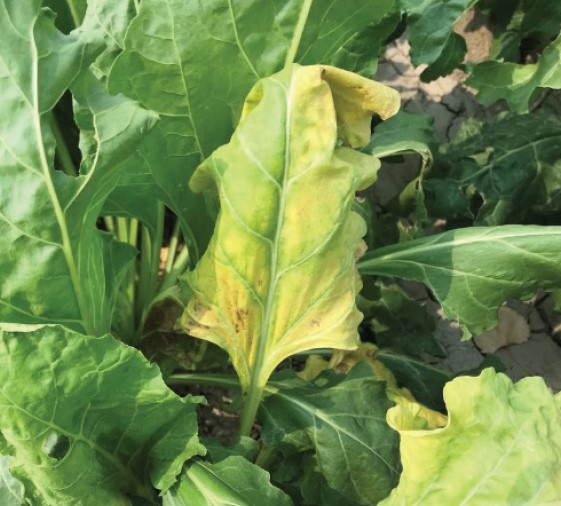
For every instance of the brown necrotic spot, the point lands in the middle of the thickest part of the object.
(241, 319)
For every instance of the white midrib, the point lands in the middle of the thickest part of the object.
(6, 484)
(262, 344)
(66, 245)
(489, 237)
(213, 500)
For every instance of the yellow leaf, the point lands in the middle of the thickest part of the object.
(279, 276)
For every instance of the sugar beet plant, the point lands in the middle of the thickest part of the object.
(232, 136)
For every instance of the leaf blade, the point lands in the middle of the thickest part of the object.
(43, 211)
(510, 433)
(518, 83)
(119, 433)
(254, 311)
(233, 481)
(340, 418)
(511, 164)
(165, 68)
(473, 271)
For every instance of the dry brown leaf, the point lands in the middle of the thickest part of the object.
(512, 329)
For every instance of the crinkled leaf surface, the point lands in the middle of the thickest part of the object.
(234, 481)
(165, 66)
(513, 165)
(341, 418)
(473, 271)
(502, 445)
(279, 275)
(70, 270)
(11, 491)
(518, 83)
(88, 419)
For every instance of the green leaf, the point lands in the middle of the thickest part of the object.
(165, 66)
(500, 13)
(473, 271)
(329, 27)
(513, 165)
(502, 445)
(232, 482)
(283, 154)
(69, 15)
(542, 19)
(402, 324)
(404, 133)
(341, 418)
(88, 420)
(71, 270)
(245, 447)
(453, 53)
(424, 381)
(519, 24)
(361, 52)
(11, 491)
(430, 29)
(516, 83)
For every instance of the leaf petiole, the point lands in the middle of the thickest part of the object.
(210, 379)
(62, 151)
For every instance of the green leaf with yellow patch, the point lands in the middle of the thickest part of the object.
(501, 445)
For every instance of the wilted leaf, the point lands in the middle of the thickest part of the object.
(502, 445)
(286, 192)
(95, 423)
